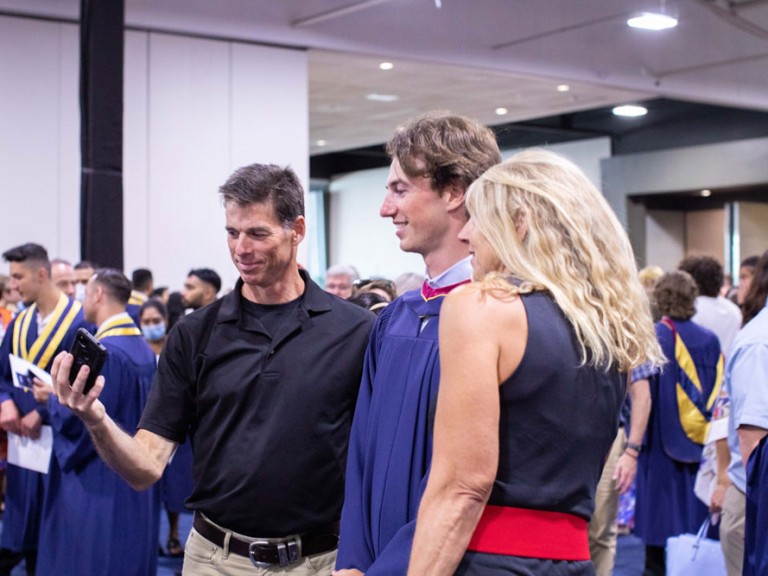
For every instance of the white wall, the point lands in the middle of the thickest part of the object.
(357, 235)
(195, 110)
(586, 154)
(665, 238)
(39, 135)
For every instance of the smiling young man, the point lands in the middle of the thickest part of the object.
(435, 158)
(264, 381)
(46, 326)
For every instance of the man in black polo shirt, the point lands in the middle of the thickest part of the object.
(264, 382)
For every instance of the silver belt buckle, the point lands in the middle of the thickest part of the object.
(288, 551)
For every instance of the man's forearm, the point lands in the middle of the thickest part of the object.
(723, 461)
(139, 459)
(749, 438)
(126, 455)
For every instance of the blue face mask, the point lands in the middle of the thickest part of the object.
(153, 332)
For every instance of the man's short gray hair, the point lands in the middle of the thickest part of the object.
(342, 270)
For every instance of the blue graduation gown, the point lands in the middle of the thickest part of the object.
(24, 492)
(391, 440)
(666, 504)
(177, 482)
(135, 302)
(134, 311)
(756, 521)
(93, 522)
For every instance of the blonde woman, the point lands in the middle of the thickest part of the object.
(534, 355)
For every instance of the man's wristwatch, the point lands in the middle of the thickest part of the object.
(636, 447)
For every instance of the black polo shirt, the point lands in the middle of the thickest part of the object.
(269, 417)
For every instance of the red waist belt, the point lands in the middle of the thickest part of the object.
(531, 534)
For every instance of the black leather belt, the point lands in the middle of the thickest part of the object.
(266, 552)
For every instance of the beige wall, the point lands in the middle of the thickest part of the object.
(753, 228)
(705, 233)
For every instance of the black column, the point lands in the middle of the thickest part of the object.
(101, 131)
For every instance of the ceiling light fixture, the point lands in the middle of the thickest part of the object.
(652, 21)
(662, 19)
(502, 111)
(630, 110)
(563, 88)
(386, 66)
(374, 97)
(321, 142)
(706, 193)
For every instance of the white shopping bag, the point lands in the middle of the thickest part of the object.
(695, 555)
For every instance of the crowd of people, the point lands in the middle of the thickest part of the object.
(481, 419)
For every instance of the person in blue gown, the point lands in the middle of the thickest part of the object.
(435, 158)
(45, 327)
(93, 522)
(682, 398)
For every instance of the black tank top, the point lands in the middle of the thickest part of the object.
(558, 419)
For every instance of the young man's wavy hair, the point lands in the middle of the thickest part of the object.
(448, 149)
(554, 231)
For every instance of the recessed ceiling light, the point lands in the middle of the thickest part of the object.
(382, 97)
(706, 193)
(321, 142)
(563, 88)
(652, 21)
(630, 110)
(502, 111)
(386, 66)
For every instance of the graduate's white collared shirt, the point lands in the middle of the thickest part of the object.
(459, 272)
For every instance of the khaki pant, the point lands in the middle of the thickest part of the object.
(204, 558)
(602, 526)
(732, 530)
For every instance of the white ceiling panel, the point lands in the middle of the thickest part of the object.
(472, 56)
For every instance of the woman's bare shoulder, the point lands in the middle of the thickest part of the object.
(478, 304)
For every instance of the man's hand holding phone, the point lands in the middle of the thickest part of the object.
(87, 406)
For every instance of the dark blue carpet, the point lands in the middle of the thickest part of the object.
(630, 556)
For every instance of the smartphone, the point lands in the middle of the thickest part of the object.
(87, 352)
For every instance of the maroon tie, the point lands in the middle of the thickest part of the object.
(427, 292)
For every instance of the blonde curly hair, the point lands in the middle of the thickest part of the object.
(553, 231)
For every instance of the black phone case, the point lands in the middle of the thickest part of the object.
(87, 351)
